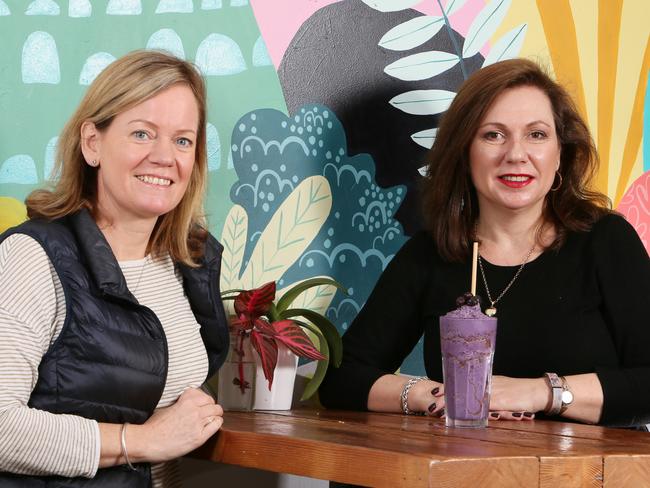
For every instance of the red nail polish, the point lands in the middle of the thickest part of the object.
(435, 391)
(432, 407)
(516, 414)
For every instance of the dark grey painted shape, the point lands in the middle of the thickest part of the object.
(334, 60)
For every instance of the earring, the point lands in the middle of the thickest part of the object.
(559, 184)
(93, 163)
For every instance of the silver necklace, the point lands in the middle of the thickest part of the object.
(491, 311)
(137, 283)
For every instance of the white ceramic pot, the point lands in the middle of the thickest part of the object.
(256, 394)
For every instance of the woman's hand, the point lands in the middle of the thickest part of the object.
(518, 398)
(427, 396)
(174, 431)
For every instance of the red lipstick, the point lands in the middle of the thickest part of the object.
(515, 180)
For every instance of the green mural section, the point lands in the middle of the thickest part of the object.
(51, 50)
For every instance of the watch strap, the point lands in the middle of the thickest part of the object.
(555, 384)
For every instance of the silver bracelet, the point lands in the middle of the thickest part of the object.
(125, 454)
(404, 397)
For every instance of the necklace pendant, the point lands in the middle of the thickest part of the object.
(490, 311)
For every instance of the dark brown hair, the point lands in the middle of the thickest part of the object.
(127, 82)
(450, 204)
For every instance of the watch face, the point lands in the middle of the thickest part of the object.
(567, 397)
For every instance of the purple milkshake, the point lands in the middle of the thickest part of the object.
(467, 338)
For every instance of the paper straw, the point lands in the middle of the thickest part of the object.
(474, 266)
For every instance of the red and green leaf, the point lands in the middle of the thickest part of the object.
(292, 336)
(268, 351)
(241, 324)
(264, 327)
(254, 303)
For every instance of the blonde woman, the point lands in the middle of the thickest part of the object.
(110, 316)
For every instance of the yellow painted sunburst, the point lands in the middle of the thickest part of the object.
(12, 212)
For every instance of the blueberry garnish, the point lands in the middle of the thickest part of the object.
(467, 299)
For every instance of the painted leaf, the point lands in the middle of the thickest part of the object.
(422, 65)
(412, 33)
(327, 328)
(507, 47)
(423, 102)
(484, 25)
(291, 294)
(268, 352)
(454, 6)
(233, 238)
(256, 302)
(292, 336)
(321, 366)
(390, 5)
(290, 231)
(425, 138)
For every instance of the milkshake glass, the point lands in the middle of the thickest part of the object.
(467, 339)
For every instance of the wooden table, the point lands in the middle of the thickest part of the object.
(373, 449)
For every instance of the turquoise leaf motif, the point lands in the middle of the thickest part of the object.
(94, 65)
(391, 5)
(412, 33)
(214, 147)
(219, 55)
(453, 6)
(79, 8)
(260, 53)
(484, 25)
(507, 47)
(40, 59)
(425, 138)
(43, 7)
(210, 4)
(124, 7)
(19, 169)
(175, 6)
(421, 66)
(167, 40)
(423, 102)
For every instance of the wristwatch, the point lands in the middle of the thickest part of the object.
(567, 395)
(555, 383)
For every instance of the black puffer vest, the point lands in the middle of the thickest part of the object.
(110, 361)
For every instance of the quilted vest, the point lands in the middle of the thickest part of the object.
(109, 362)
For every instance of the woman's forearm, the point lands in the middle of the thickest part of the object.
(385, 395)
(587, 404)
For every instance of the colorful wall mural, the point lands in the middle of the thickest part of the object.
(321, 111)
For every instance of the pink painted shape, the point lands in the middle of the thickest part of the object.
(279, 20)
(635, 206)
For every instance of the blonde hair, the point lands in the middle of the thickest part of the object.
(125, 83)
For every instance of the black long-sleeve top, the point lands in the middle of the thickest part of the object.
(582, 309)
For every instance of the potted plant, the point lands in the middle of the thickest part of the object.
(266, 340)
